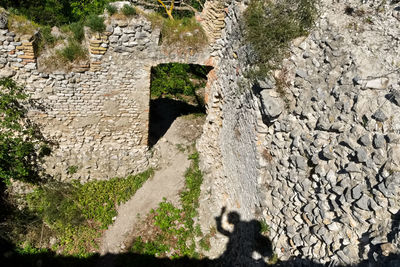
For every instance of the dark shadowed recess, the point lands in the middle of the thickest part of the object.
(176, 90)
(163, 112)
(243, 240)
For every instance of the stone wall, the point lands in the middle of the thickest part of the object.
(228, 146)
(322, 169)
(98, 114)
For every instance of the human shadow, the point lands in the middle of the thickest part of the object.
(244, 239)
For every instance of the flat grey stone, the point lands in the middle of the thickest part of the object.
(361, 154)
(379, 116)
(301, 162)
(327, 153)
(273, 106)
(3, 20)
(352, 167)
(363, 203)
(379, 141)
(365, 140)
(301, 73)
(265, 84)
(356, 192)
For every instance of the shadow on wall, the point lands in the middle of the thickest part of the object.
(244, 239)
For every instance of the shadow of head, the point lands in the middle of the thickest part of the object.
(233, 217)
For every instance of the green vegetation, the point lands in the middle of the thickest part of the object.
(174, 227)
(21, 144)
(183, 33)
(176, 79)
(55, 12)
(77, 31)
(77, 213)
(46, 35)
(128, 10)
(279, 23)
(73, 51)
(111, 9)
(21, 25)
(95, 23)
(72, 169)
(264, 227)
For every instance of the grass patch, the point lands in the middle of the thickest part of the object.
(21, 25)
(269, 28)
(78, 213)
(73, 51)
(72, 169)
(96, 23)
(173, 230)
(77, 31)
(111, 10)
(46, 37)
(128, 10)
(183, 33)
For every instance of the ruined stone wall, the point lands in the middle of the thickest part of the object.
(97, 114)
(323, 168)
(228, 146)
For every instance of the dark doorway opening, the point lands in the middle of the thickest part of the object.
(176, 90)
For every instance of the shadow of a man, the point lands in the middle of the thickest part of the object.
(244, 239)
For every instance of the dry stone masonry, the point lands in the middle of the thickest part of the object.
(314, 149)
(98, 114)
(321, 161)
(213, 19)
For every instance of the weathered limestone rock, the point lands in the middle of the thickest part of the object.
(3, 19)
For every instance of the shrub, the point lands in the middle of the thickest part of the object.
(96, 23)
(46, 35)
(128, 10)
(175, 78)
(73, 51)
(20, 140)
(77, 30)
(111, 9)
(279, 23)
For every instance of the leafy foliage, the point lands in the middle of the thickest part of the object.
(83, 8)
(279, 23)
(56, 12)
(45, 12)
(21, 145)
(175, 78)
(78, 212)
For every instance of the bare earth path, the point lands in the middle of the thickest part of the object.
(167, 182)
